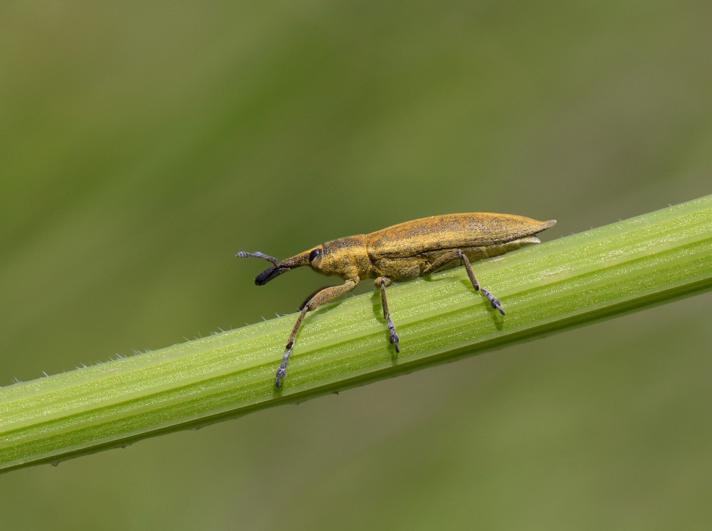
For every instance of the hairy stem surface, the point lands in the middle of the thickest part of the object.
(599, 273)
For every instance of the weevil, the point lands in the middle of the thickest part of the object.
(403, 252)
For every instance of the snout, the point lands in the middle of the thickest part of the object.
(268, 274)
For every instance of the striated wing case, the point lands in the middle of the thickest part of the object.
(451, 231)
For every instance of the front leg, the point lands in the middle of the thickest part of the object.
(381, 283)
(320, 297)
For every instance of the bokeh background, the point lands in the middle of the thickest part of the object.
(142, 143)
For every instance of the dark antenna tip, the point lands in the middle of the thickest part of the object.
(269, 273)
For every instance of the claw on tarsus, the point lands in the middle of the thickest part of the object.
(282, 371)
(494, 301)
(395, 340)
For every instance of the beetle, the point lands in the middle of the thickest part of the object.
(403, 252)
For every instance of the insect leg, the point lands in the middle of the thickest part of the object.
(470, 273)
(320, 297)
(455, 254)
(382, 282)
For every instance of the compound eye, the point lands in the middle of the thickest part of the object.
(316, 253)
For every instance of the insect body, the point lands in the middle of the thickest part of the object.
(402, 252)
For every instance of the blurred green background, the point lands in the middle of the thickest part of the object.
(142, 143)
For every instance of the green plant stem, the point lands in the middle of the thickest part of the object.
(577, 279)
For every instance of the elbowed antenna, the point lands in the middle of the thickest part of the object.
(279, 267)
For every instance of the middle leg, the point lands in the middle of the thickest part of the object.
(381, 283)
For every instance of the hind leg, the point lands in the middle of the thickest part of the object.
(449, 256)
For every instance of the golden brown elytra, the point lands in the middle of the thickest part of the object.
(402, 252)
